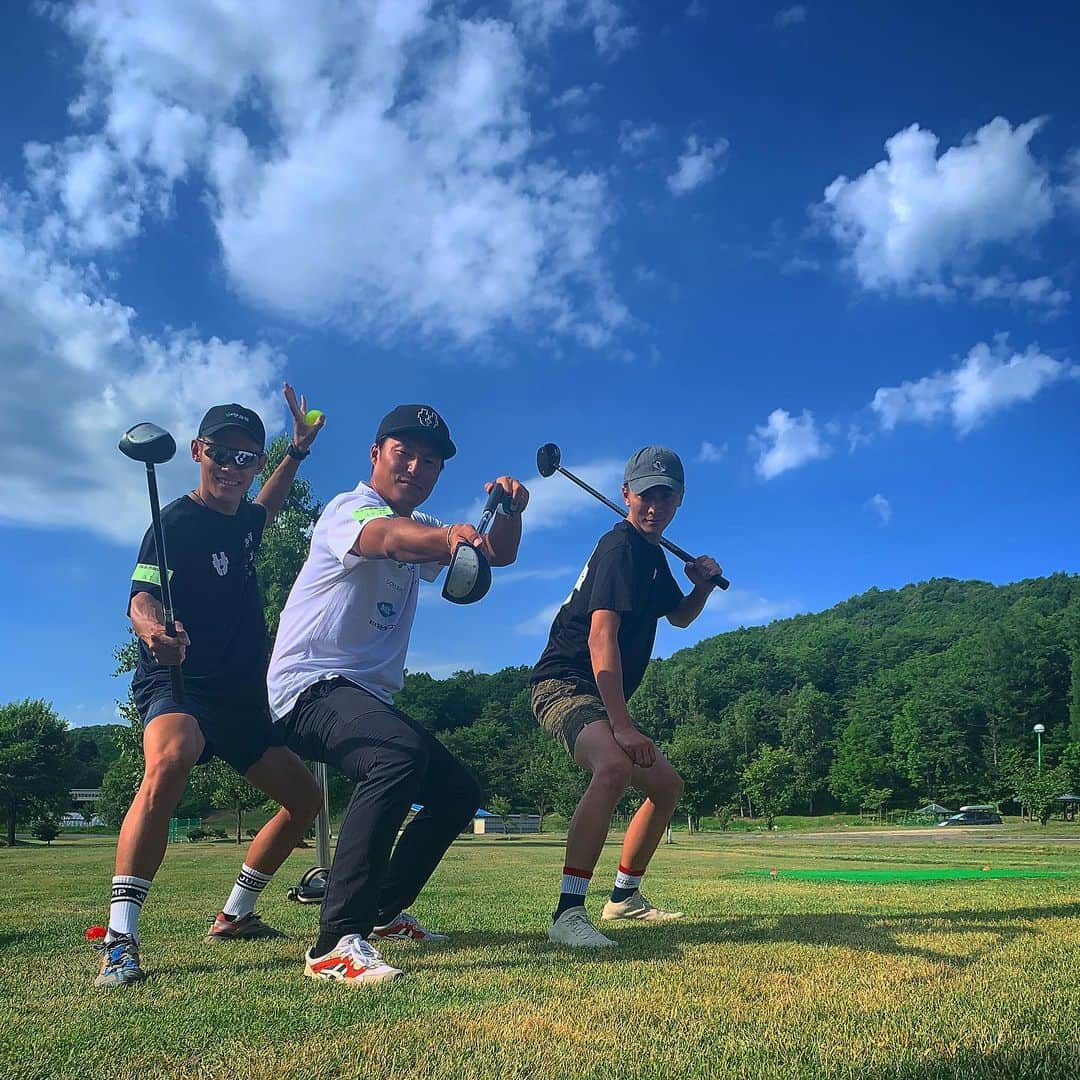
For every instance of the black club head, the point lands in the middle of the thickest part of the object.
(148, 443)
(548, 459)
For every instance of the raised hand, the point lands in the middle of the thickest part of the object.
(303, 432)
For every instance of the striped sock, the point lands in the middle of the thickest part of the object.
(128, 894)
(626, 883)
(245, 895)
(575, 883)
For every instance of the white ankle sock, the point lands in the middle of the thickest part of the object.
(128, 894)
(245, 895)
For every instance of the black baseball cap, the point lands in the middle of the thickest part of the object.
(418, 420)
(654, 466)
(226, 416)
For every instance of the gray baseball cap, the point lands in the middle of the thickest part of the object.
(654, 466)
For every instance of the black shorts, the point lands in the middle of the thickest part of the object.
(237, 732)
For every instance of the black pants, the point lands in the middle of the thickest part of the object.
(396, 762)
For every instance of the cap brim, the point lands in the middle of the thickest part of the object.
(641, 484)
(446, 447)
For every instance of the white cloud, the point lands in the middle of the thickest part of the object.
(1070, 190)
(790, 16)
(1039, 292)
(551, 573)
(785, 442)
(913, 220)
(881, 506)
(606, 20)
(371, 166)
(539, 624)
(696, 165)
(990, 379)
(576, 97)
(633, 138)
(77, 374)
(711, 453)
(742, 607)
(554, 500)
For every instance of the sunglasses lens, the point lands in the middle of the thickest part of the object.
(225, 455)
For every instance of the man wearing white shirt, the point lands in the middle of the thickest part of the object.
(339, 658)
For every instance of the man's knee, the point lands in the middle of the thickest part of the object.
(165, 775)
(611, 776)
(664, 789)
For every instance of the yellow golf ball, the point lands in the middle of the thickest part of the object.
(312, 416)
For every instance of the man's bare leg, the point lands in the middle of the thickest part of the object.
(172, 744)
(280, 774)
(662, 787)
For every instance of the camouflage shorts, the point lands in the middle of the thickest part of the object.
(564, 706)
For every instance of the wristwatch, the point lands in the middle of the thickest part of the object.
(296, 453)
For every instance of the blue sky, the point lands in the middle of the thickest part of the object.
(826, 251)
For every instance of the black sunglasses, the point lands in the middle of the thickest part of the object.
(229, 455)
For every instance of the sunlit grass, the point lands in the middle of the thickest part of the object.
(767, 977)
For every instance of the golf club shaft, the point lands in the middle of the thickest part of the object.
(718, 579)
(322, 822)
(176, 676)
(495, 496)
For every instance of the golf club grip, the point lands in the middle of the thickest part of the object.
(718, 580)
(176, 677)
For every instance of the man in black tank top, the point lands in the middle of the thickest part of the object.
(596, 655)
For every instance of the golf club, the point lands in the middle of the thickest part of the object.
(549, 461)
(152, 446)
(469, 576)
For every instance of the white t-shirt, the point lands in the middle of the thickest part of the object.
(347, 615)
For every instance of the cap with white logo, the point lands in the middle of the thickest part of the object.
(226, 416)
(654, 466)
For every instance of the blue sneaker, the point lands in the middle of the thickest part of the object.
(120, 962)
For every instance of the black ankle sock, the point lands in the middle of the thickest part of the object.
(567, 900)
(325, 942)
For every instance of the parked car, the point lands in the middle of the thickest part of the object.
(973, 817)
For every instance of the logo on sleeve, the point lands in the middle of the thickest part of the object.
(220, 563)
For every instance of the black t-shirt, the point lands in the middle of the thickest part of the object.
(625, 574)
(215, 594)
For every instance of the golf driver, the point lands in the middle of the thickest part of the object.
(549, 461)
(469, 576)
(154, 446)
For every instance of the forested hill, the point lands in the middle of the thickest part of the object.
(929, 691)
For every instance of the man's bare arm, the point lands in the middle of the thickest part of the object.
(148, 622)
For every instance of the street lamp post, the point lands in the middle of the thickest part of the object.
(1039, 729)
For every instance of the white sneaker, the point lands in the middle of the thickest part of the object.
(406, 927)
(637, 907)
(351, 961)
(573, 928)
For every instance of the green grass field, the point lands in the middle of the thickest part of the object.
(769, 976)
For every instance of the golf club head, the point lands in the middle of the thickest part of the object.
(548, 459)
(148, 443)
(469, 576)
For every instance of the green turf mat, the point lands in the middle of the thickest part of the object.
(944, 873)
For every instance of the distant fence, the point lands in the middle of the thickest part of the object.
(180, 827)
(515, 823)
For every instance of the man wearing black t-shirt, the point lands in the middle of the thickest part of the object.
(211, 538)
(595, 658)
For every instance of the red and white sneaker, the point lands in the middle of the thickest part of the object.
(351, 961)
(406, 927)
(243, 928)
